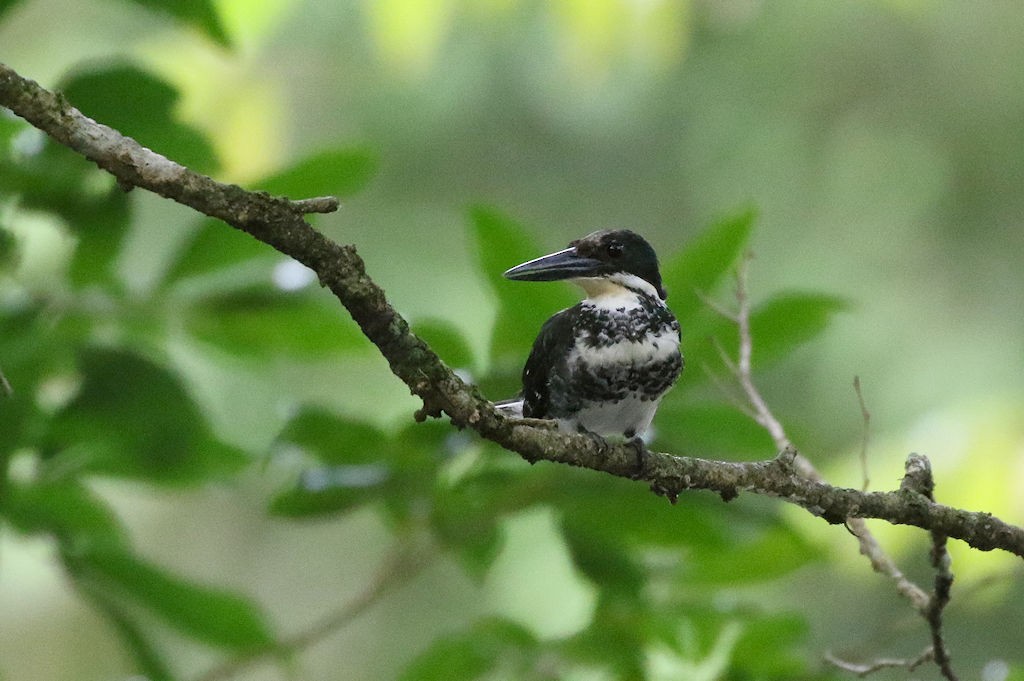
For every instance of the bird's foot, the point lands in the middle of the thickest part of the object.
(642, 457)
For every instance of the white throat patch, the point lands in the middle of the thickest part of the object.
(617, 290)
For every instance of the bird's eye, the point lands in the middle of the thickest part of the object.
(613, 249)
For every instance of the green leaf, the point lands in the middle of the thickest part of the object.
(66, 510)
(100, 230)
(57, 181)
(771, 647)
(8, 249)
(758, 552)
(216, 246)
(151, 662)
(141, 106)
(133, 418)
(334, 439)
(466, 517)
(611, 509)
(32, 349)
(266, 323)
(490, 644)
(606, 563)
(786, 321)
(415, 456)
(6, 5)
(330, 490)
(358, 471)
(704, 262)
(617, 635)
(335, 172)
(201, 14)
(714, 430)
(446, 341)
(210, 615)
(523, 307)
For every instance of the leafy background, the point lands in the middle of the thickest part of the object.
(202, 457)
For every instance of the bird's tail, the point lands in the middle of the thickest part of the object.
(512, 407)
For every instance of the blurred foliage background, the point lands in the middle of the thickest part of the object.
(202, 457)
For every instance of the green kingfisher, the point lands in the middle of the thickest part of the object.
(603, 365)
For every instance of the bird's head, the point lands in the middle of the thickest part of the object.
(598, 262)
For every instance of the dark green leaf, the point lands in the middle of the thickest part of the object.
(133, 418)
(202, 14)
(267, 323)
(705, 261)
(336, 172)
(415, 457)
(466, 517)
(32, 350)
(6, 5)
(756, 554)
(215, 246)
(446, 341)
(55, 180)
(605, 562)
(210, 615)
(141, 106)
(771, 647)
(66, 510)
(488, 645)
(469, 525)
(358, 470)
(778, 327)
(46, 175)
(523, 307)
(617, 635)
(8, 249)
(334, 439)
(786, 321)
(330, 490)
(149, 659)
(100, 232)
(612, 508)
(715, 430)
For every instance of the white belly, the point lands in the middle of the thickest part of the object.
(630, 415)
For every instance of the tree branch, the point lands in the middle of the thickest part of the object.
(742, 369)
(279, 223)
(919, 478)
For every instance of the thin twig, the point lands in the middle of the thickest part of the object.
(317, 204)
(883, 564)
(866, 669)
(744, 363)
(404, 562)
(735, 400)
(715, 306)
(866, 416)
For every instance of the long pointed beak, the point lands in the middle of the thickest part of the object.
(565, 264)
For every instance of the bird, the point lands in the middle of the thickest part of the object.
(601, 366)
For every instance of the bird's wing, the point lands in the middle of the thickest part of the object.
(547, 361)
